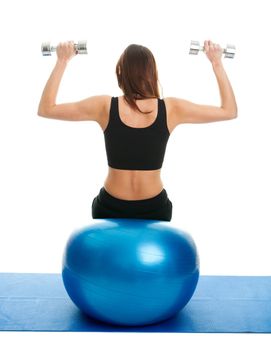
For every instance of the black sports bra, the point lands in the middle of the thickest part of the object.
(136, 148)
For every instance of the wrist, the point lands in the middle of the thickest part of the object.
(62, 62)
(217, 64)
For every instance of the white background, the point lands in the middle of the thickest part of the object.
(217, 175)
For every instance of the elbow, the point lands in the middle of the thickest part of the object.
(232, 114)
(42, 112)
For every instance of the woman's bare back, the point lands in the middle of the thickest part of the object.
(135, 184)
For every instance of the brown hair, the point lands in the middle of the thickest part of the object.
(137, 75)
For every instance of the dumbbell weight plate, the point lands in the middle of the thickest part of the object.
(46, 49)
(194, 47)
(81, 47)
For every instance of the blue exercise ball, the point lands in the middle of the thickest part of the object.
(130, 272)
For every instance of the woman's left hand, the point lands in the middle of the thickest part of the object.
(65, 51)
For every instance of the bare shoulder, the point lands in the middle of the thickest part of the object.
(170, 103)
(173, 104)
(103, 104)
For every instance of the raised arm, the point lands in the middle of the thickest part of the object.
(184, 111)
(92, 108)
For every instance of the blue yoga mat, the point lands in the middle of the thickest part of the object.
(224, 304)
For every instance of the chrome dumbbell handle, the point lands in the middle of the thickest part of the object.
(195, 47)
(47, 48)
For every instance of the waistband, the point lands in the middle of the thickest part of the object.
(155, 202)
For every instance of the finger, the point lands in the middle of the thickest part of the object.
(212, 47)
(216, 47)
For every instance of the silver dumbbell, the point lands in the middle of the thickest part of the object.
(47, 49)
(195, 47)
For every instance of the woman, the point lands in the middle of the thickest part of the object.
(136, 128)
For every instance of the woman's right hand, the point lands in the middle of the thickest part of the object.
(213, 51)
(65, 51)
